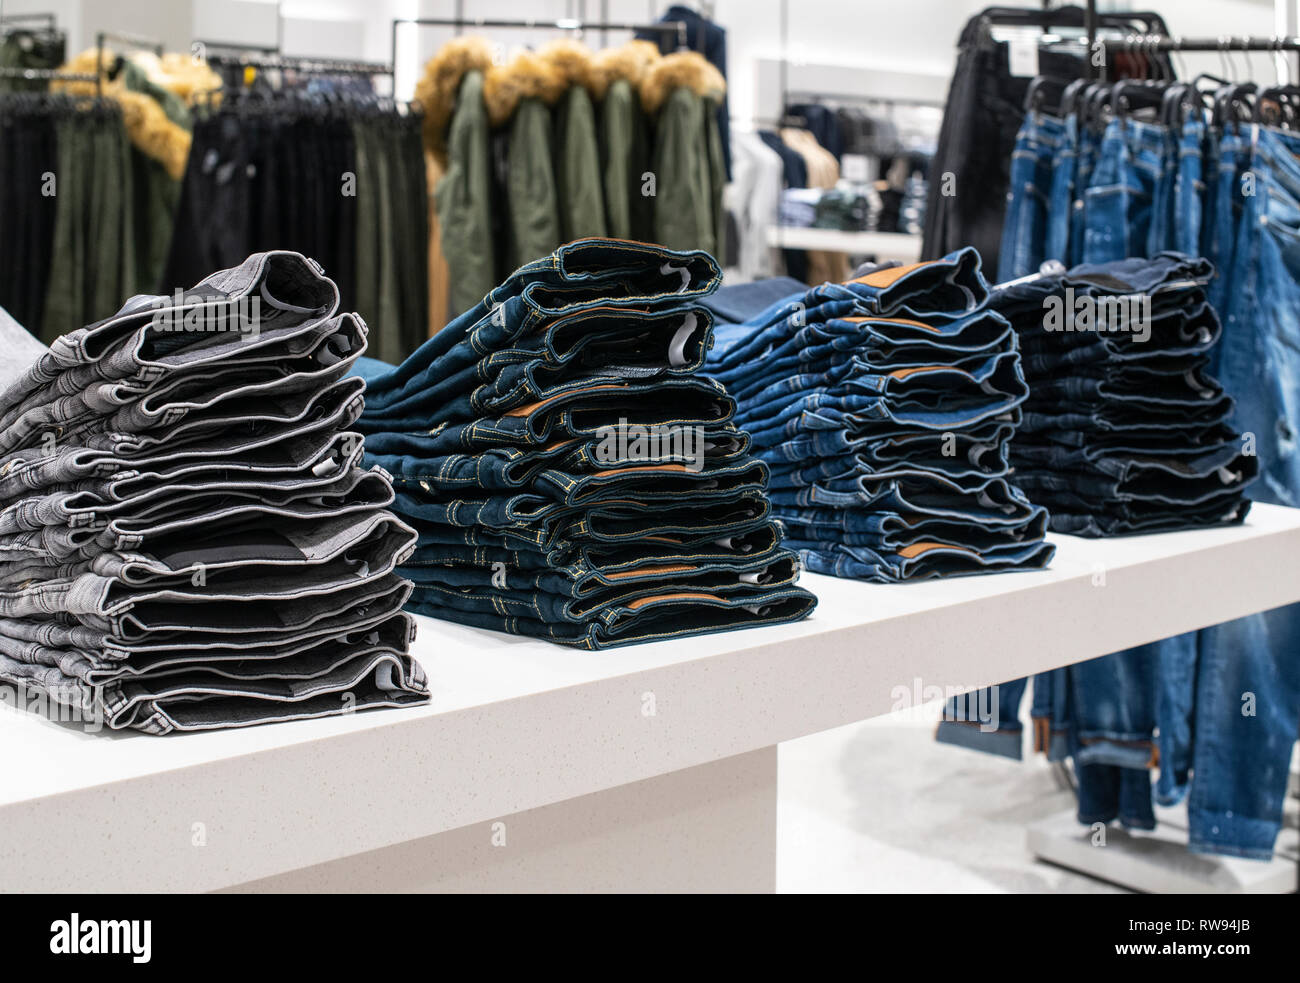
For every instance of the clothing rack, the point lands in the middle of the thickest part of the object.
(460, 22)
(48, 20)
(121, 37)
(1159, 43)
(234, 46)
(304, 64)
(131, 40)
(53, 74)
(798, 95)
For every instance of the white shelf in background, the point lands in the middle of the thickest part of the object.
(518, 724)
(884, 245)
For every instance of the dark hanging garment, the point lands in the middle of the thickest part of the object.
(710, 40)
(972, 162)
(340, 180)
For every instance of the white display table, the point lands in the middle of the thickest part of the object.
(536, 767)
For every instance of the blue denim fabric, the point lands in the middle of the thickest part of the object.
(1060, 200)
(1030, 194)
(580, 276)
(883, 406)
(1248, 678)
(523, 447)
(1120, 197)
(1233, 161)
(1160, 233)
(1189, 190)
(1089, 149)
(1122, 435)
(1262, 324)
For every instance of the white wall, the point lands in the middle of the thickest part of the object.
(914, 36)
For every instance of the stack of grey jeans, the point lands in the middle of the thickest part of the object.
(187, 540)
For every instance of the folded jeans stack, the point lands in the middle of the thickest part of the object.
(187, 540)
(883, 407)
(1124, 431)
(570, 475)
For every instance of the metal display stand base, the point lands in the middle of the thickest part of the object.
(1159, 862)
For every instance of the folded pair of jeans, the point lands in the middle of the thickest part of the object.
(890, 397)
(1123, 421)
(188, 536)
(569, 473)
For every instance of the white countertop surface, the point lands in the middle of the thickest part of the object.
(516, 723)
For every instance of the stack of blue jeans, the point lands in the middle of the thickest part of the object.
(1088, 191)
(187, 539)
(1124, 430)
(570, 474)
(883, 407)
(1130, 431)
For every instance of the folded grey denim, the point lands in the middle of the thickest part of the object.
(95, 656)
(188, 539)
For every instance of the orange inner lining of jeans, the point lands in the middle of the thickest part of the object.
(916, 549)
(883, 278)
(532, 407)
(904, 373)
(644, 570)
(892, 320)
(643, 601)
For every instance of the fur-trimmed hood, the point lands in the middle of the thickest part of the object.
(146, 122)
(178, 73)
(572, 61)
(526, 76)
(681, 69)
(628, 61)
(436, 91)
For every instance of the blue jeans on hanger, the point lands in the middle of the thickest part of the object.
(1061, 194)
(1121, 195)
(1025, 228)
(1248, 679)
(1189, 188)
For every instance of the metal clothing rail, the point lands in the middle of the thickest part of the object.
(53, 75)
(47, 73)
(801, 95)
(265, 49)
(1141, 43)
(48, 20)
(133, 40)
(121, 37)
(1150, 44)
(1164, 42)
(308, 65)
(664, 28)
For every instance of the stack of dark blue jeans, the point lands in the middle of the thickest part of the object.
(1124, 430)
(1094, 188)
(570, 475)
(187, 540)
(883, 407)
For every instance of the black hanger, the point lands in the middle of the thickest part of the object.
(1232, 104)
(1070, 97)
(1045, 94)
(1096, 101)
(1277, 105)
(1180, 100)
(1132, 94)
